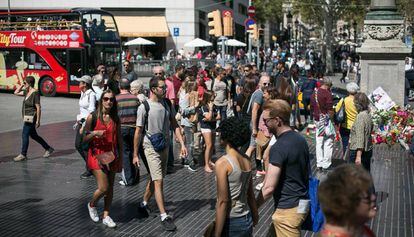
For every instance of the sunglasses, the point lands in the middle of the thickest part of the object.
(158, 73)
(126, 65)
(266, 83)
(105, 99)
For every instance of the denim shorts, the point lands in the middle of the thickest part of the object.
(239, 226)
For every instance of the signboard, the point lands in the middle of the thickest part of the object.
(176, 31)
(227, 13)
(248, 22)
(381, 99)
(251, 11)
(44, 38)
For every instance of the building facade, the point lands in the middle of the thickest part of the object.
(155, 20)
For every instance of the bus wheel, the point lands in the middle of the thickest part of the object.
(47, 87)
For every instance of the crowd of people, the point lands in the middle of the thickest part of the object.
(255, 116)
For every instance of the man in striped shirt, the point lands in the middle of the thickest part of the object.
(127, 112)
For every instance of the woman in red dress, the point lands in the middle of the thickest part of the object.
(104, 140)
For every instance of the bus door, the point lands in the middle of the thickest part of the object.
(75, 67)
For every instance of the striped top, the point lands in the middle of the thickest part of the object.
(127, 108)
(361, 130)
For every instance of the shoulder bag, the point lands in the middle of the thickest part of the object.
(157, 140)
(27, 118)
(340, 116)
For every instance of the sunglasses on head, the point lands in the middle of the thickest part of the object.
(105, 99)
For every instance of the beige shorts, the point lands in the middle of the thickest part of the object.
(157, 161)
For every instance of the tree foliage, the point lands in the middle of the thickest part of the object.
(268, 10)
(406, 7)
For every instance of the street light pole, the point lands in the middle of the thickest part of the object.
(296, 37)
(289, 25)
(355, 31)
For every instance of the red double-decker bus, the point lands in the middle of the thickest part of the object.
(56, 47)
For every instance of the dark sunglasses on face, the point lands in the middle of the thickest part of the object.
(105, 99)
(266, 83)
(126, 65)
(158, 73)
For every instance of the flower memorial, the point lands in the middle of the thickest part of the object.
(393, 126)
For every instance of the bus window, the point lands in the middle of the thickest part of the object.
(14, 57)
(100, 27)
(60, 56)
(75, 69)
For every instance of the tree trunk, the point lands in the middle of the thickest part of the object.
(328, 39)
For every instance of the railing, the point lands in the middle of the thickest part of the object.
(144, 67)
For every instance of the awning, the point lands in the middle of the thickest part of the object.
(142, 26)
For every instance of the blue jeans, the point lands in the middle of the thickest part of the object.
(29, 129)
(189, 142)
(223, 111)
(345, 138)
(128, 169)
(239, 226)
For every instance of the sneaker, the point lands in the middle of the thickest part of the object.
(192, 167)
(109, 222)
(122, 183)
(259, 186)
(168, 224)
(48, 152)
(258, 174)
(20, 157)
(185, 162)
(86, 174)
(170, 169)
(144, 210)
(93, 213)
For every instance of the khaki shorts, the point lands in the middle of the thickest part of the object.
(157, 161)
(287, 222)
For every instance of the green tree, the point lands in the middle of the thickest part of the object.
(268, 10)
(325, 13)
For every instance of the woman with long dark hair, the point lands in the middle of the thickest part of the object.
(113, 80)
(208, 116)
(236, 210)
(31, 118)
(104, 154)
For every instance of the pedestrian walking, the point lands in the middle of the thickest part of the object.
(129, 72)
(287, 176)
(208, 115)
(171, 96)
(127, 104)
(221, 92)
(347, 202)
(103, 133)
(360, 143)
(308, 85)
(137, 87)
(31, 112)
(236, 210)
(351, 113)
(254, 110)
(155, 117)
(87, 105)
(187, 111)
(321, 104)
(113, 80)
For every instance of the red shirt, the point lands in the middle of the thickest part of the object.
(177, 85)
(325, 102)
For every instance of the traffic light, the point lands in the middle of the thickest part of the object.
(215, 23)
(254, 31)
(227, 23)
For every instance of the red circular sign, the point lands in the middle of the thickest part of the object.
(251, 11)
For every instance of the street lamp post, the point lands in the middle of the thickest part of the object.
(296, 37)
(289, 25)
(355, 31)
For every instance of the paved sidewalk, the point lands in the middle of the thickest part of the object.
(46, 197)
